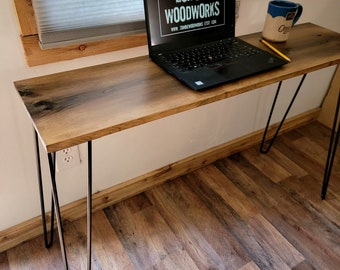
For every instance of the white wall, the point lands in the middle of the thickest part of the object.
(116, 158)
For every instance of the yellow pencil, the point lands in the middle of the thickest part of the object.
(275, 50)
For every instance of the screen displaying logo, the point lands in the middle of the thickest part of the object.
(180, 16)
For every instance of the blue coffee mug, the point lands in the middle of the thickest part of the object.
(281, 17)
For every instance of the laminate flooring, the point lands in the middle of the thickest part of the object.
(247, 211)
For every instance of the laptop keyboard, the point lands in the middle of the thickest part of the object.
(227, 50)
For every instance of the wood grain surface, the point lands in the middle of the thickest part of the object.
(77, 106)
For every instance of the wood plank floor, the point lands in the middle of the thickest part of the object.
(247, 211)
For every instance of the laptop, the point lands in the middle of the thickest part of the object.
(194, 40)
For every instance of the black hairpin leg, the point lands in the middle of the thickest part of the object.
(270, 143)
(89, 205)
(48, 243)
(331, 150)
(52, 163)
(55, 208)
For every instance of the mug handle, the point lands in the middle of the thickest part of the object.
(298, 14)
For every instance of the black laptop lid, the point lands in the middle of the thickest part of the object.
(175, 24)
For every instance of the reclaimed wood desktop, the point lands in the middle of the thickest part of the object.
(79, 106)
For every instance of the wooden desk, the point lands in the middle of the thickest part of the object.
(89, 103)
(79, 106)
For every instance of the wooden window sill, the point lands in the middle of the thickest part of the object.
(36, 56)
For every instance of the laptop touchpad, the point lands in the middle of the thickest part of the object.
(229, 70)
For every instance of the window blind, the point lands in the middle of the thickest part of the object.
(64, 22)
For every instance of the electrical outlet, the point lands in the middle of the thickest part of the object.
(68, 158)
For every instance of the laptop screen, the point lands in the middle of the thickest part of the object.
(174, 24)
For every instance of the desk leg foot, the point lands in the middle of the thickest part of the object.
(331, 150)
(264, 150)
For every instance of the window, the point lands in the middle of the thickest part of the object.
(48, 25)
(72, 21)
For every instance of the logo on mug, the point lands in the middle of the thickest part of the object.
(284, 29)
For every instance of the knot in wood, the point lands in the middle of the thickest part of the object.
(82, 47)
